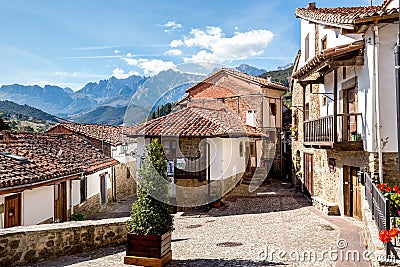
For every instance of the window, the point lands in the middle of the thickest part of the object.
(307, 112)
(344, 74)
(307, 47)
(324, 43)
(272, 107)
(83, 189)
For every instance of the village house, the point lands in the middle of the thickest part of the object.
(344, 109)
(48, 178)
(111, 140)
(226, 132)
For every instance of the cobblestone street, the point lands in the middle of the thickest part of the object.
(273, 226)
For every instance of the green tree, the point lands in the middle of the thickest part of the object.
(151, 215)
(4, 125)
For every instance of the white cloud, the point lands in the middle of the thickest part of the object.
(173, 52)
(149, 66)
(171, 26)
(154, 66)
(120, 73)
(215, 47)
(176, 43)
(116, 51)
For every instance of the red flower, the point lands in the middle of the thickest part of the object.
(396, 188)
(370, 191)
(381, 187)
(384, 236)
(394, 232)
(388, 189)
(398, 192)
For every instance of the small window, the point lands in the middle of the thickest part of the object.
(307, 112)
(272, 107)
(324, 43)
(344, 74)
(83, 189)
(307, 47)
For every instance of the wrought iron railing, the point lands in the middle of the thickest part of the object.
(349, 128)
(379, 206)
(189, 168)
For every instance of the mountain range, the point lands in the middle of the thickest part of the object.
(108, 100)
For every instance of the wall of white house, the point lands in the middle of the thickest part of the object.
(37, 205)
(216, 158)
(233, 162)
(118, 152)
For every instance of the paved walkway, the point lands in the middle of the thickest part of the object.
(273, 226)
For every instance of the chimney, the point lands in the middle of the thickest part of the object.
(312, 6)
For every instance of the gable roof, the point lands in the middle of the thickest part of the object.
(214, 92)
(31, 159)
(263, 83)
(346, 17)
(109, 133)
(329, 53)
(195, 122)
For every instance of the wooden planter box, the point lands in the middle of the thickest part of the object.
(148, 250)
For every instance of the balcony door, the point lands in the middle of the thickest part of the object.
(349, 110)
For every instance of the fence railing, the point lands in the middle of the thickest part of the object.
(379, 206)
(189, 168)
(349, 128)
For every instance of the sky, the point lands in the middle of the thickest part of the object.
(70, 43)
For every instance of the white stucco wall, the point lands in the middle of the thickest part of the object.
(37, 205)
(122, 156)
(76, 192)
(216, 158)
(233, 163)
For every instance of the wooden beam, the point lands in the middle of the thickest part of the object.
(335, 89)
(355, 61)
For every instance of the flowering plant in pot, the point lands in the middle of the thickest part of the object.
(151, 221)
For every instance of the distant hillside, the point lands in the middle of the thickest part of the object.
(24, 117)
(281, 76)
(112, 115)
(8, 108)
(250, 70)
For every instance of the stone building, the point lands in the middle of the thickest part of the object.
(111, 140)
(46, 178)
(344, 103)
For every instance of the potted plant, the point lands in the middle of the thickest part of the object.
(151, 221)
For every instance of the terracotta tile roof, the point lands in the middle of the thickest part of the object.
(328, 54)
(47, 157)
(214, 91)
(112, 135)
(343, 16)
(264, 83)
(195, 122)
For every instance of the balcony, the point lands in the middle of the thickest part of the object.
(348, 135)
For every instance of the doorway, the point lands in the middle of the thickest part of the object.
(351, 192)
(308, 174)
(12, 211)
(60, 202)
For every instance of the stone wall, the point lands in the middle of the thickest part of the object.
(125, 180)
(23, 245)
(89, 207)
(390, 166)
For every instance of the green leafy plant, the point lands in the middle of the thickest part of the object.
(151, 216)
(78, 216)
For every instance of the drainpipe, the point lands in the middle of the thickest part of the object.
(377, 97)
(70, 199)
(397, 71)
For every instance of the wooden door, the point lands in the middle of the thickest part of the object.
(12, 211)
(60, 202)
(351, 192)
(308, 174)
(103, 189)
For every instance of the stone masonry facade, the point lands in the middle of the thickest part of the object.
(23, 245)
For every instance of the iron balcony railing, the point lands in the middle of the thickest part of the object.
(322, 130)
(189, 168)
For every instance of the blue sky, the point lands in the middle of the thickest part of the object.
(70, 43)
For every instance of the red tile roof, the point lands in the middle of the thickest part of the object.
(344, 16)
(264, 83)
(328, 54)
(195, 122)
(47, 157)
(112, 135)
